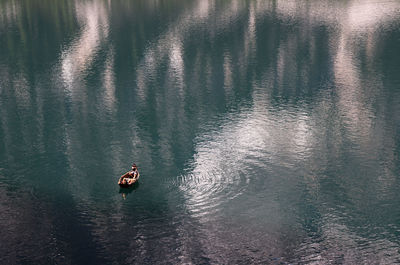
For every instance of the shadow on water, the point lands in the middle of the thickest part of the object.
(125, 191)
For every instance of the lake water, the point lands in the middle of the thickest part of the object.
(266, 132)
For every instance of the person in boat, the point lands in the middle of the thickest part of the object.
(130, 176)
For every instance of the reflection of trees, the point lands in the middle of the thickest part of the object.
(335, 97)
(27, 37)
(350, 115)
(282, 68)
(28, 45)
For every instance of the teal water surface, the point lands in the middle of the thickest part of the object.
(266, 132)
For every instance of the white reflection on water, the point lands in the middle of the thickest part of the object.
(251, 138)
(8, 14)
(21, 90)
(250, 38)
(109, 81)
(168, 48)
(221, 176)
(156, 53)
(256, 138)
(228, 75)
(78, 57)
(176, 64)
(350, 91)
(203, 13)
(369, 15)
(359, 26)
(76, 62)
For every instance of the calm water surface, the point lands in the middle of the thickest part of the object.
(266, 132)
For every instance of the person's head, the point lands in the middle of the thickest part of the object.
(134, 167)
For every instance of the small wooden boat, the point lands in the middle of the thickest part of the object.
(123, 183)
(127, 185)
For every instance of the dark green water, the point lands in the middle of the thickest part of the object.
(266, 132)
